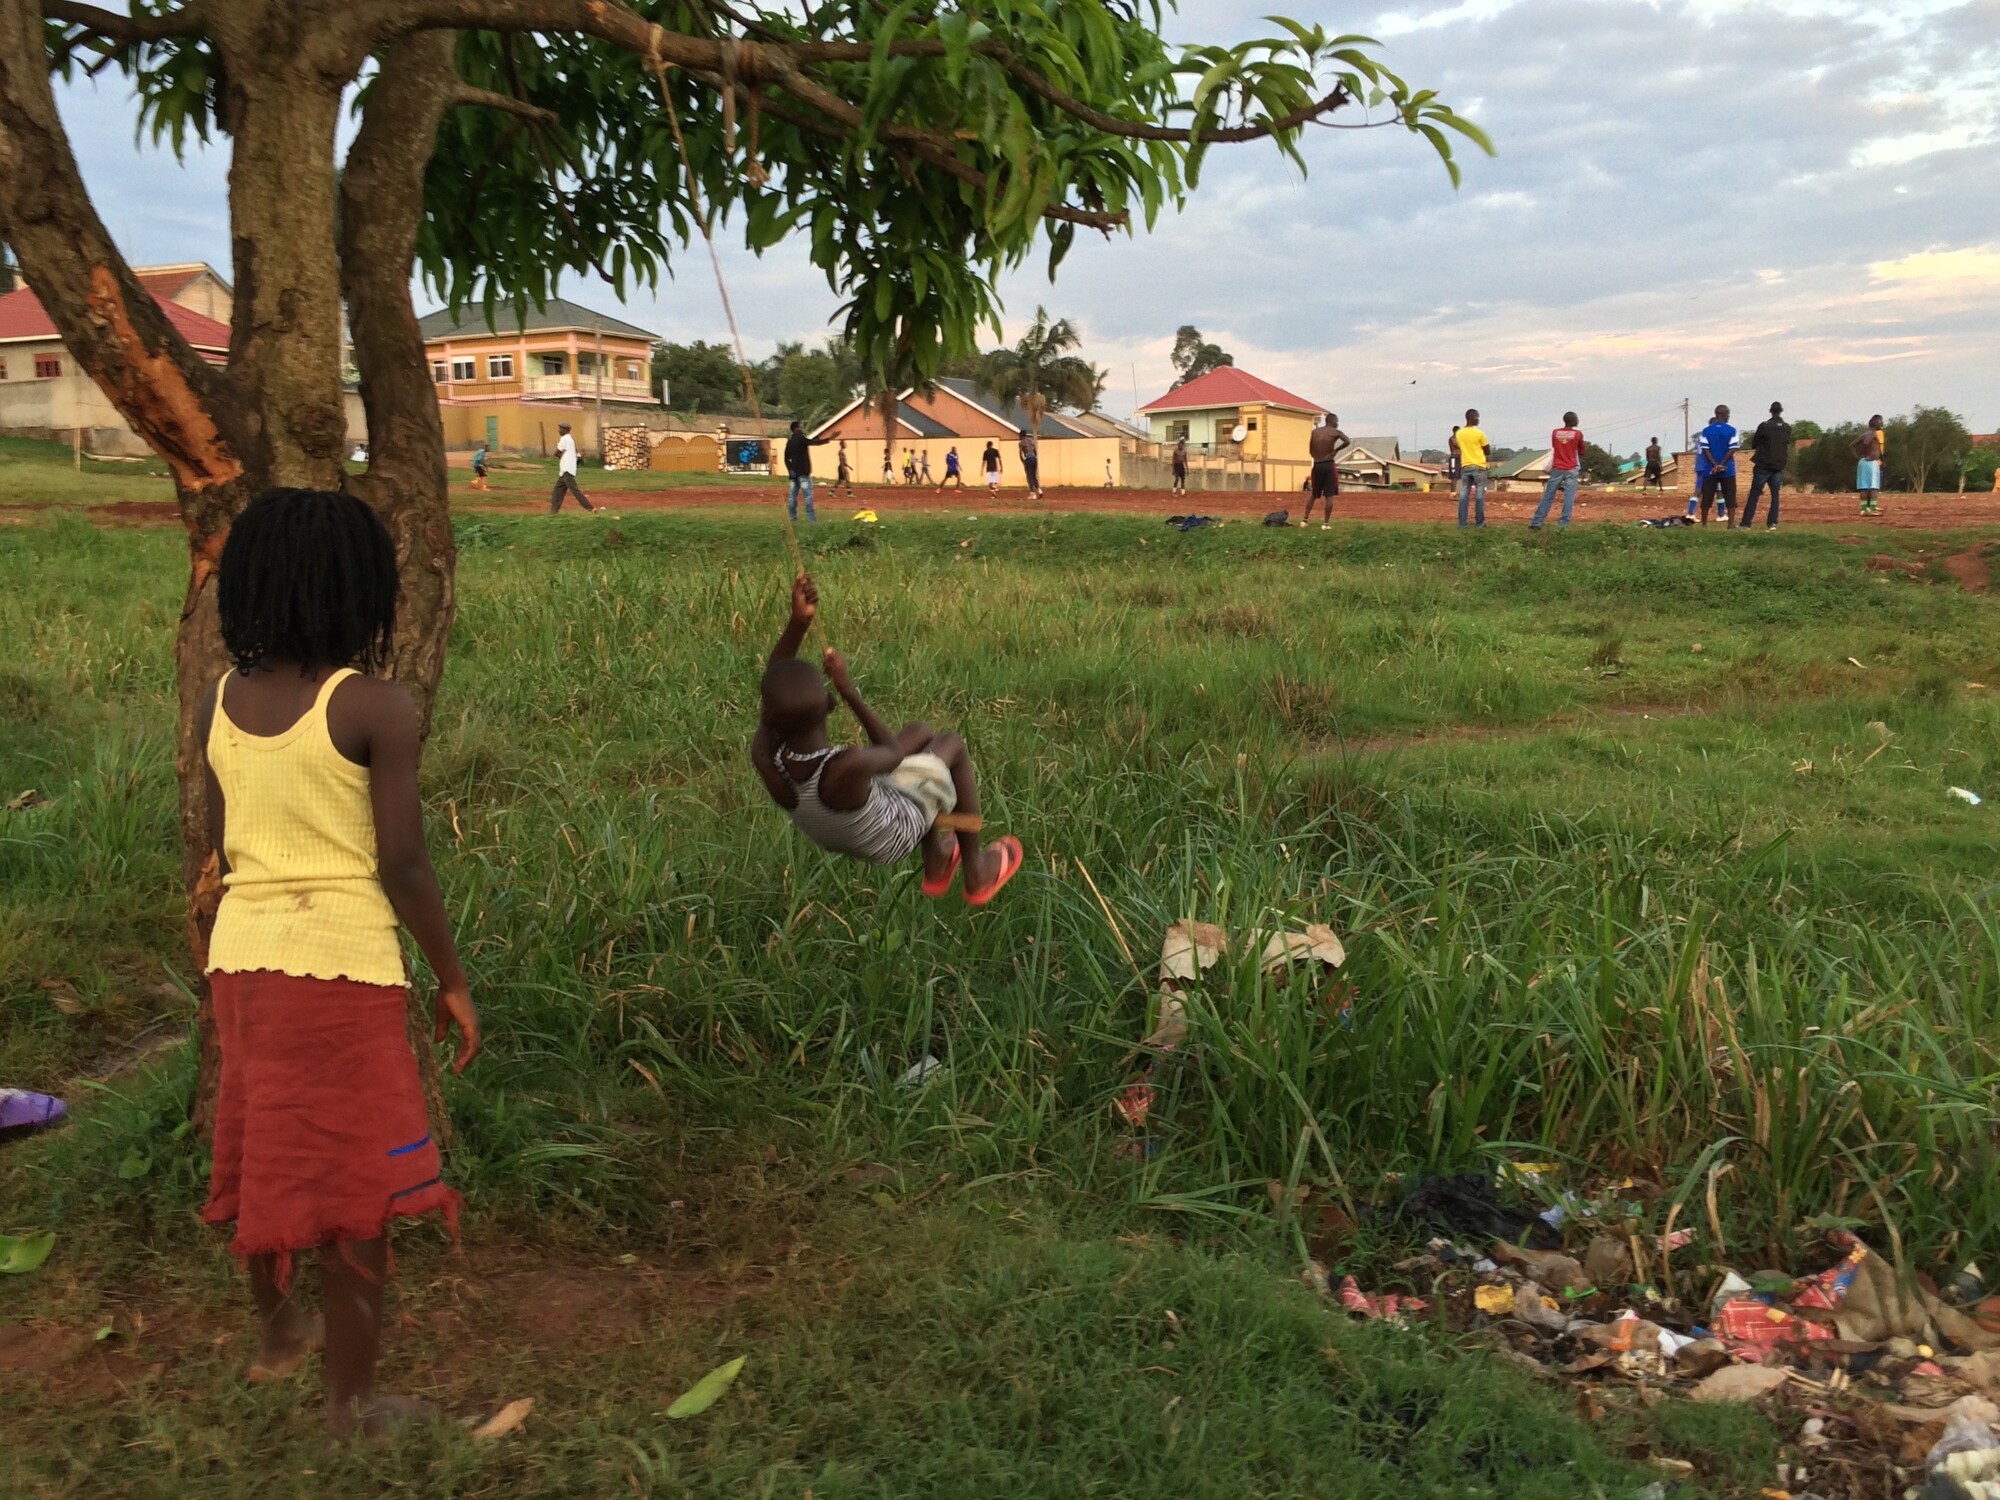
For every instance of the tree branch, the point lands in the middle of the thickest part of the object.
(752, 62)
(125, 30)
(381, 210)
(466, 95)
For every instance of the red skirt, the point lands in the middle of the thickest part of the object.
(320, 1128)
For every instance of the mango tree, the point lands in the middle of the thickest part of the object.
(912, 149)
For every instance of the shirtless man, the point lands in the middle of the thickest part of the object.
(1325, 444)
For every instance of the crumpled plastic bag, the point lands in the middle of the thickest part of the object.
(1189, 948)
(1877, 1306)
(1554, 1270)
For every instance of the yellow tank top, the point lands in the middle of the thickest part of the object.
(304, 894)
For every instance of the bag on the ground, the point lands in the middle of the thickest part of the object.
(1278, 518)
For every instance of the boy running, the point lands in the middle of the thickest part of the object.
(951, 472)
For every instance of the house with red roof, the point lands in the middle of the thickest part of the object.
(192, 284)
(45, 394)
(1242, 420)
(1075, 452)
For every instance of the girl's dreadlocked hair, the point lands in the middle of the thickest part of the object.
(308, 576)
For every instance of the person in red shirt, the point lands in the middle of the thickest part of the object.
(1565, 470)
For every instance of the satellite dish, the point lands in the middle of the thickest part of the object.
(1238, 433)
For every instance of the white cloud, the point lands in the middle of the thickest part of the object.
(1718, 199)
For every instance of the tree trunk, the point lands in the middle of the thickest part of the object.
(381, 206)
(283, 378)
(276, 415)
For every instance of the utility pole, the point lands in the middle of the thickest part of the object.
(1687, 430)
(600, 389)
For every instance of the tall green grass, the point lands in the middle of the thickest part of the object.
(1596, 912)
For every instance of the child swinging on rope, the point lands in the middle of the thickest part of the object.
(878, 802)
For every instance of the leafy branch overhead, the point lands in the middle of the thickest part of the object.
(918, 150)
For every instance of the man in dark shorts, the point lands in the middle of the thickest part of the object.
(1180, 466)
(1656, 469)
(1325, 444)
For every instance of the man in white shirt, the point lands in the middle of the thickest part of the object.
(566, 473)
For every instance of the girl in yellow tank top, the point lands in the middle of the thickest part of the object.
(321, 1134)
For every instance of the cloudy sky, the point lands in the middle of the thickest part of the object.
(1726, 200)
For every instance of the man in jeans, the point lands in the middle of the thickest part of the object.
(1031, 462)
(1565, 469)
(799, 466)
(566, 472)
(1770, 451)
(1471, 467)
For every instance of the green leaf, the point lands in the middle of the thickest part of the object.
(22, 1253)
(708, 1390)
(134, 1165)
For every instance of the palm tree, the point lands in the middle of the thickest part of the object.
(1040, 370)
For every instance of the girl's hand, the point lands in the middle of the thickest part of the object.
(454, 1008)
(805, 600)
(835, 667)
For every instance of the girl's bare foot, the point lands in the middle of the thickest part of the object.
(287, 1341)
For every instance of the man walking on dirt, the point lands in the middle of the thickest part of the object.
(566, 472)
(1770, 451)
(1031, 463)
(1656, 469)
(1325, 444)
(1180, 466)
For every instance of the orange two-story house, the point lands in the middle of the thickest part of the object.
(561, 352)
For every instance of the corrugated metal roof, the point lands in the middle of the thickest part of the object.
(23, 317)
(558, 314)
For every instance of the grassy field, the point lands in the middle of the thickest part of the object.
(1611, 901)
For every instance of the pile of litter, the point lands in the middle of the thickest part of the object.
(1886, 1383)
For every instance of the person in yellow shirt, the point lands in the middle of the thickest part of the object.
(1472, 447)
(321, 1137)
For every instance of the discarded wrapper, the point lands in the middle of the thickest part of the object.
(1388, 1307)
(1191, 947)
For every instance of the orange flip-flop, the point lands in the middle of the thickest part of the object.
(1011, 858)
(942, 885)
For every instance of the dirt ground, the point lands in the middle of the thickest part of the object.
(1925, 512)
(1932, 512)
